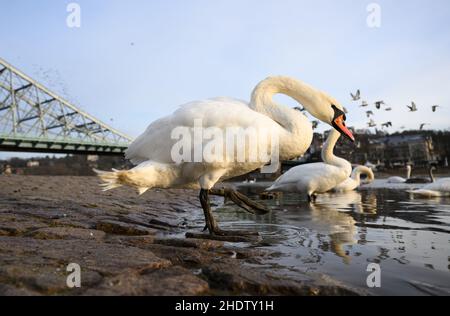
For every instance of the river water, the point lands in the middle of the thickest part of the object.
(342, 233)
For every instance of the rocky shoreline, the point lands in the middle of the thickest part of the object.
(126, 245)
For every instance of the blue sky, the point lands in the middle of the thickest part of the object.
(192, 49)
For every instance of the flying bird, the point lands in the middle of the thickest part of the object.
(413, 107)
(372, 123)
(388, 109)
(378, 104)
(387, 124)
(423, 125)
(357, 96)
(434, 107)
(369, 113)
(364, 104)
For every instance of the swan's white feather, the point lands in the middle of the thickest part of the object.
(439, 188)
(310, 178)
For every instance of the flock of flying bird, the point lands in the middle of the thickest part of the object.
(379, 104)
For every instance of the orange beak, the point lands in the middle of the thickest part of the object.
(339, 124)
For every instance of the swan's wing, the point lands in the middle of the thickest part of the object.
(441, 185)
(156, 142)
(347, 185)
(309, 175)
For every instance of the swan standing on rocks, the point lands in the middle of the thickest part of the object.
(318, 177)
(157, 169)
(355, 179)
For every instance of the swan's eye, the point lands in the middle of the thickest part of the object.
(338, 112)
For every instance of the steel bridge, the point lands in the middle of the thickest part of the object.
(34, 119)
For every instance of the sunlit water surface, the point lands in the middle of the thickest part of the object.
(341, 234)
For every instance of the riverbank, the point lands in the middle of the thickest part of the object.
(127, 245)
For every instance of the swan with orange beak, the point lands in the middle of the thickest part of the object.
(338, 123)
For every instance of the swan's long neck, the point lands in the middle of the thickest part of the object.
(328, 155)
(408, 172)
(298, 130)
(262, 100)
(358, 171)
(430, 171)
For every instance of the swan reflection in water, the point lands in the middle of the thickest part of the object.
(332, 213)
(341, 233)
(328, 224)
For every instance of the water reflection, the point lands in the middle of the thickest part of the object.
(342, 232)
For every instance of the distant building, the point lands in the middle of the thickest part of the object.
(384, 150)
(32, 164)
(92, 158)
(401, 149)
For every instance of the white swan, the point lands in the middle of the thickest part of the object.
(355, 179)
(438, 188)
(152, 150)
(400, 179)
(318, 177)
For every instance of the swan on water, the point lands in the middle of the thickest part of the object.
(400, 179)
(315, 178)
(430, 178)
(152, 151)
(355, 179)
(438, 188)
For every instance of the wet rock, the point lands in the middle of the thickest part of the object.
(10, 290)
(167, 282)
(131, 251)
(190, 243)
(67, 233)
(18, 228)
(120, 228)
(253, 281)
(106, 259)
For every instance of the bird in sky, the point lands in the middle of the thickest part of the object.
(434, 107)
(388, 109)
(369, 113)
(387, 124)
(356, 96)
(423, 125)
(378, 104)
(372, 123)
(364, 104)
(412, 107)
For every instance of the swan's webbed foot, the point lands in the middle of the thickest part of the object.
(215, 233)
(241, 200)
(312, 198)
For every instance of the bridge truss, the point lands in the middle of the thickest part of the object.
(34, 119)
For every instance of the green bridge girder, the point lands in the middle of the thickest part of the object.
(34, 119)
